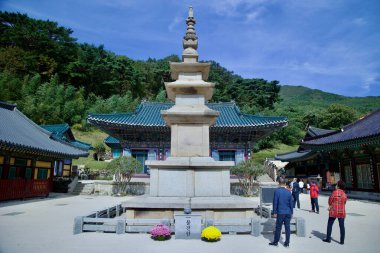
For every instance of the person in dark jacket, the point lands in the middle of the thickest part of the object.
(296, 193)
(282, 211)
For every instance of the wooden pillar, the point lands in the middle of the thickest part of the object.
(375, 172)
(341, 170)
(354, 174)
(326, 160)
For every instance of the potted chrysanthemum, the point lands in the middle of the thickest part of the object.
(160, 232)
(211, 234)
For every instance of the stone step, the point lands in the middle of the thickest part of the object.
(83, 189)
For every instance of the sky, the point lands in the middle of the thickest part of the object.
(331, 45)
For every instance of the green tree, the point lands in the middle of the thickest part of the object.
(18, 61)
(123, 169)
(161, 97)
(223, 78)
(312, 118)
(254, 95)
(10, 87)
(247, 171)
(52, 102)
(337, 116)
(52, 44)
(99, 150)
(290, 135)
(113, 104)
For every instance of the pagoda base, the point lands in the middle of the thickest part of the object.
(189, 177)
(218, 208)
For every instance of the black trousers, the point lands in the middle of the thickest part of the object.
(282, 219)
(296, 198)
(341, 226)
(314, 204)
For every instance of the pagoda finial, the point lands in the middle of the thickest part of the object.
(191, 14)
(190, 40)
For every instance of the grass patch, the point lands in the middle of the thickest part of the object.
(90, 163)
(92, 137)
(260, 156)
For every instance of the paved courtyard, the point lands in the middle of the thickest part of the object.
(46, 225)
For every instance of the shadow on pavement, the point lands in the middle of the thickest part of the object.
(318, 234)
(52, 195)
(269, 226)
(322, 236)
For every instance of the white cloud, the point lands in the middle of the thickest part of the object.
(174, 23)
(236, 7)
(253, 15)
(368, 81)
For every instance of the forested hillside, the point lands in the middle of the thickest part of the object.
(304, 106)
(54, 79)
(316, 99)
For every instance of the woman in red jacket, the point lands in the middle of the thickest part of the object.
(314, 190)
(337, 204)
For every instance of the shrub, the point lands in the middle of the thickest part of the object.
(123, 168)
(211, 234)
(99, 150)
(160, 232)
(247, 171)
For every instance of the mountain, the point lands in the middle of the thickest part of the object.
(300, 96)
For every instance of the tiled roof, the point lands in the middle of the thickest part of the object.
(367, 127)
(297, 155)
(60, 130)
(111, 140)
(314, 131)
(19, 134)
(81, 144)
(148, 115)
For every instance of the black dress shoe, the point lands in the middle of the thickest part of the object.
(326, 240)
(286, 244)
(341, 243)
(273, 243)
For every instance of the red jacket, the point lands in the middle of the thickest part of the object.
(337, 204)
(314, 190)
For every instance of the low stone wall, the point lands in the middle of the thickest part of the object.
(110, 188)
(236, 189)
(103, 187)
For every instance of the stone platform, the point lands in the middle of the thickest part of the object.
(189, 177)
(209, 207)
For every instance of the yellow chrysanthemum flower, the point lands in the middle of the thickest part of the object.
(211, 233)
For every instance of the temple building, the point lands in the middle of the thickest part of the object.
(144, 134)
(351, 154)
(28, 154)
(62, 132)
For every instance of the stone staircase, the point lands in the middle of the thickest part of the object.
(83, 189)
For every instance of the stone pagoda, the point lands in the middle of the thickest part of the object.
(190, 171)
(189, 178)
